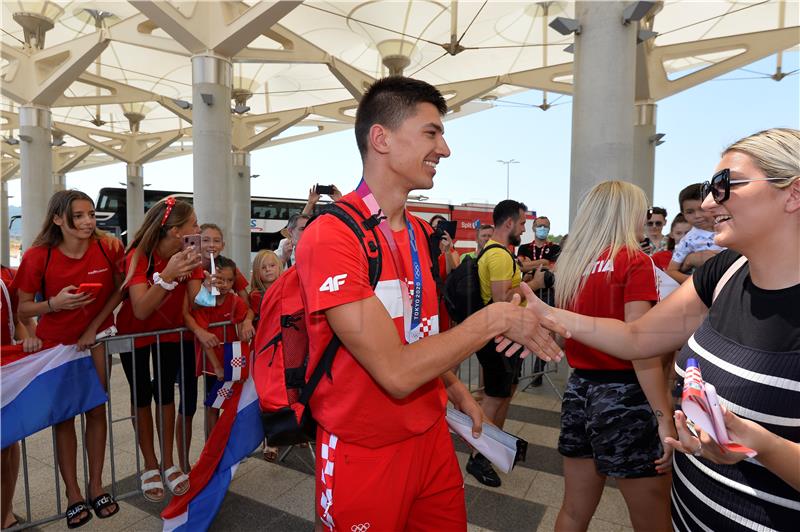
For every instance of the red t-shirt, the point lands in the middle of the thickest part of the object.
(66, 326)
(233, 309)
(254, 298)
(7, 275)
(611, 284)
(168, 315)
(333, 271)
(240, 283)
(662, 259)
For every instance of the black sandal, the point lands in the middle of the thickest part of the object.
(102, 502)
(74, 511)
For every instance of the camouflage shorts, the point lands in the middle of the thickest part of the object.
(611, 423)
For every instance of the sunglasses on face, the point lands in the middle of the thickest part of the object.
(720, 185)
(655, 224)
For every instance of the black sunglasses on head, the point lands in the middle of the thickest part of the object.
(720, 185)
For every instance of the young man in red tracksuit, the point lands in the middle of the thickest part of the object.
(385, 459)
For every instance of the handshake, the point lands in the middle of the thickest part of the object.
(529, 329)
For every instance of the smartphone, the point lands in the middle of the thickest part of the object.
(716, 414)
(644, 244)
(192, 240)
(324, 189)
(89, 288)
(449, 226)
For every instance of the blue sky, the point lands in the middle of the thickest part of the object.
(698, 124)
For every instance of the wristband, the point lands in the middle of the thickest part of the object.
(162, 283)
(49, 305)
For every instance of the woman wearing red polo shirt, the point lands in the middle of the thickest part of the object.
(158, 274)
(69, 252)
(614, 414)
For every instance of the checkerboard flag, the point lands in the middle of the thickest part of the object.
(219, 394)
(235, 355)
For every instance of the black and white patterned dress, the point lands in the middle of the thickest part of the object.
(749, 348)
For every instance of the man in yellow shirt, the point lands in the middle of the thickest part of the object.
(500, 278)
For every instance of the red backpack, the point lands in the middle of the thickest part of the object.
(281, 346)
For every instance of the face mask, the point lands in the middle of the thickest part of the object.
(541, 232)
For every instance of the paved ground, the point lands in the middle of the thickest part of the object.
(267, 496)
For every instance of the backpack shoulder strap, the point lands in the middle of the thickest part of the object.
(372, 251)
(500, 246)
(103, 251)
(730, 272)
(371, 246)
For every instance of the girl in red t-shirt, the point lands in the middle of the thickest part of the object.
(77, 271)
(614, 415)
(211, 244)
(267, 267)
(159, 272)
(228, 307)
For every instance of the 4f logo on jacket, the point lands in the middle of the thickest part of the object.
(333, 283)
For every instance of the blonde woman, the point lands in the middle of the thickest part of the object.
(737, 316)
(614, 413)
(267, 267)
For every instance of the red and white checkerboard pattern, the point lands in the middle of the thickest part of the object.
(328, 455)
(426, 327)
(238, 362)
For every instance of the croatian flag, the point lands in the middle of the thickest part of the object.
(44, 388)
(235, 436)
(219, 394)
(234, 361)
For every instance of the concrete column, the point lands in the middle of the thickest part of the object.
(59, 181)
(644, 148)
(134, 198)
(5, 237)
(603, 98)
(211, 139)
(240, 211)
(36, 168)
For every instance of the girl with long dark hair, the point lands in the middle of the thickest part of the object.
(69, 252)
(159, 271)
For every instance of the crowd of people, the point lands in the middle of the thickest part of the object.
(599, 297)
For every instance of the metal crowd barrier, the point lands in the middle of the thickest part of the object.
(115, 345)
(470, 374)
(468, 371)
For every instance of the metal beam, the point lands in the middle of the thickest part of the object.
(120, 93)
(755, 46)
(244, 137)
(41, 77)
(133, 148)
(66, 158)
(234, 25)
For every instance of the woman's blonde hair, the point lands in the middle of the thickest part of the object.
(776, 152)
(255, 280)
(154, 228)
(609, 218)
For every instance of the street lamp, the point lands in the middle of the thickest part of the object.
(508, 164)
